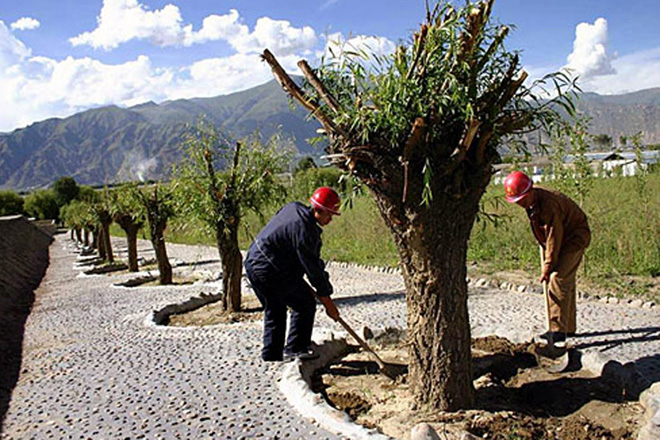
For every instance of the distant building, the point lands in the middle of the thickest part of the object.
(604, 164)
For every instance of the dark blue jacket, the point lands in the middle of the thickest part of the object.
(288, 247)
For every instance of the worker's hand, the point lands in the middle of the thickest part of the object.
(330, 307)
(545, 277)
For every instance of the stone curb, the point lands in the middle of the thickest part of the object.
(294, 384)
(505, 285)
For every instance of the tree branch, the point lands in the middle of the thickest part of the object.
(416, 134)
(319, 86)
(292, 89)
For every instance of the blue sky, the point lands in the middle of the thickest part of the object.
(61, 57)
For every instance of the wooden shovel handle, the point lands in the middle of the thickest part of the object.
(360, 341)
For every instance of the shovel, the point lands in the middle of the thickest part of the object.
(550, 357)
(388, 370)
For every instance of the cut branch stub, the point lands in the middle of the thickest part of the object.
(296, 92)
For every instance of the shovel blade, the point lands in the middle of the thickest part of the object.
(551, 358)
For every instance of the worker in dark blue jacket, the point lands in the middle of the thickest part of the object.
(288, 248)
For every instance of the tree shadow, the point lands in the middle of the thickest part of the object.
(370, 298)
(642, 334)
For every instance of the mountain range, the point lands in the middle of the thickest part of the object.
(112, 144)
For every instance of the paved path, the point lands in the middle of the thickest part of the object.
(93, 369)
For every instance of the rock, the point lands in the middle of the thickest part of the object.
(482, 282)
(603, 299)
(636, 303)
(467, 436)
(423, 431)
(648, 305)
(522, 288)
(612, 300)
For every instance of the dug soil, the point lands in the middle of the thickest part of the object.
(214, 313)
(516, 399)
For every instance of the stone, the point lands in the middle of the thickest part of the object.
(522, 288)
(612, 300)
(648, 305)
(423, 431)
(636, 303)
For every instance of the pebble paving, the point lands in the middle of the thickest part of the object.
(93, 367)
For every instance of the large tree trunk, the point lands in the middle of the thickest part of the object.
(232, 269)
(164, 266)
(86, 237)
(432, 242)
(78, 236)
(107, 243)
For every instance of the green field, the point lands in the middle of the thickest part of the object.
(624, 256)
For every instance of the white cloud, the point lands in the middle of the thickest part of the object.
(636, 71)
(337, 45)
(121, 21)
(124, 20)
(25, 24)
(278, 36)
(12, 50)
(590, 57)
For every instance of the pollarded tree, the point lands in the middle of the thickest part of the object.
(129, 215)
(101, 211)
(420, 129)
(220, 198)
(159, 205)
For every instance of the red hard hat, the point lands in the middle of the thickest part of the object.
(516, 186)
(327, 199)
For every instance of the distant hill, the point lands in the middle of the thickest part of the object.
(112, 144)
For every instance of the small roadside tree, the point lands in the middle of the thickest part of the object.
(159, 205)
(421, 130)
(129, 215)
(220, 199)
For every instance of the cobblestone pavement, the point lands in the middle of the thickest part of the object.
(93, 369)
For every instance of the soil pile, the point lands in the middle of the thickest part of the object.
(516, 399)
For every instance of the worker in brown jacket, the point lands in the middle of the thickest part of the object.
(562, 230)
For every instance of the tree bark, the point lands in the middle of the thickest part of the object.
(107, 243)
(232, 268)
(164, 266)
(100, 242)
(432, 243)
(78, 235)
(86, 237)
(131, 229)
(131, 241)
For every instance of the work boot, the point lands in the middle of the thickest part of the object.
(303, 355)
(556, 339)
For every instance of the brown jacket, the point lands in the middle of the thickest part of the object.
(559, 225)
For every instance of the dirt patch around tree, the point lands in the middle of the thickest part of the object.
(516, 399)
(214, 313)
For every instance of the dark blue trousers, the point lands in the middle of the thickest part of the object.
(276, 297)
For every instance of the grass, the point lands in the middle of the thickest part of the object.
(623, 258)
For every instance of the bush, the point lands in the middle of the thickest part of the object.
(10, 203)
(42, 205)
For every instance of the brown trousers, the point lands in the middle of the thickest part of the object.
(561, 291)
